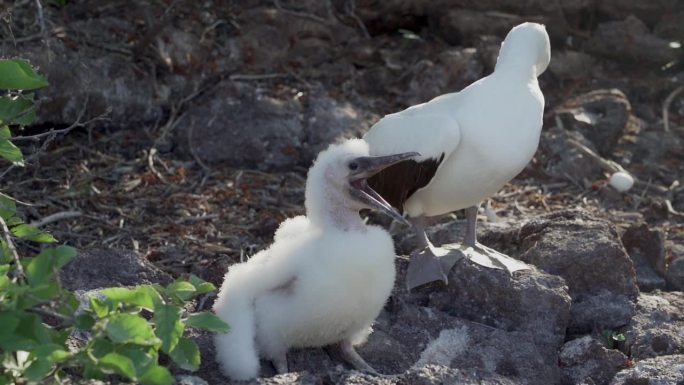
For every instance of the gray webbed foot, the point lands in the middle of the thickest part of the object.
(431, 264)
(487, 257)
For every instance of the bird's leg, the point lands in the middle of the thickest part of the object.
(483, 255)
(280, 363)
(353, 358)
(470, 237)
(428, 263)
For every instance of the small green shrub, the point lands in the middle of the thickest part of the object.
(126, 329)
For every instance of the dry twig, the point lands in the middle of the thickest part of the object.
(56, 217)
(666, 106)
(13, 250)
(304, 15)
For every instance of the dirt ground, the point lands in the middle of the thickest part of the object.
(116, 183)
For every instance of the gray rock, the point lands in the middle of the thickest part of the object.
(658, 327)
(190, 380)
(81, 73)
(414, 342)
(649, 11)
(326, 119)
(648, 243)
(586, 251)
(602, 310)
(244, 126)
(675, 269)
(646, 248)
(600, 115)
(564, 161)
(528, 301)
(460, 25)
(100, 268)
(568, 64)
(665, 370)
(240, 126)
(669, 27)
(586, 358)
(630, 40)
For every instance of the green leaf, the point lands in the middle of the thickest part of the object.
(143, 296)
(40, 269)
(9, 322)
(157, 375)
(4, 380)
(29, 334)
(4, 283)
(201, 285)
(130, 328)
(32, 233)
(38, 369)
(8, 207)
(169, 328)
(11, 152)
(186, 354)
(207, 321)
(100, 348)
(17, 74)
(53, 353)
(16, 110)
(142, 356)
(101, 307)
(63, 255)
(92, 372)
(183, 290)
(119, 364)
(85, 322)
(46, 291)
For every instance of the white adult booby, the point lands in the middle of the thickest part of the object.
(472, 143)
(324, 279)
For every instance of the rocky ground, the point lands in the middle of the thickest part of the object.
(191, 126)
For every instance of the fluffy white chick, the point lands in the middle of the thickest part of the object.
(324, 279)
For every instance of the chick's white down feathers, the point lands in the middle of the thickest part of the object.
(315, 285)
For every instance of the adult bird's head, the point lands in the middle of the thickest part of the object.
(526, 45)
(337, 188)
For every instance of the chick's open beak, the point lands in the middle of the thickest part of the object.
(366, 167)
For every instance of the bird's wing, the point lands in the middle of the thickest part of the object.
(435, 136)
(432, 134)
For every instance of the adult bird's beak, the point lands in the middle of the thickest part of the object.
(365, 167)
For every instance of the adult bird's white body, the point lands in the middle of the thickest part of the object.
(324, 279)
(472, 143)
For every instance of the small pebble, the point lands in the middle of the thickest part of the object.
(621, 181)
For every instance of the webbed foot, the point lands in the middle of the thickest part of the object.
(488, 257)
(431, 264)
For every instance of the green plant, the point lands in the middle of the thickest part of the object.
(613, 338)
(126, 328)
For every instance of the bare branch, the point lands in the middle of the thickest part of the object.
(13, 250)
(54, 132)
(56, 217)
(257, 76)
(666, 106)
(304, 15)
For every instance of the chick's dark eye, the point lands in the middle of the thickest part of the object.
(353, 166)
